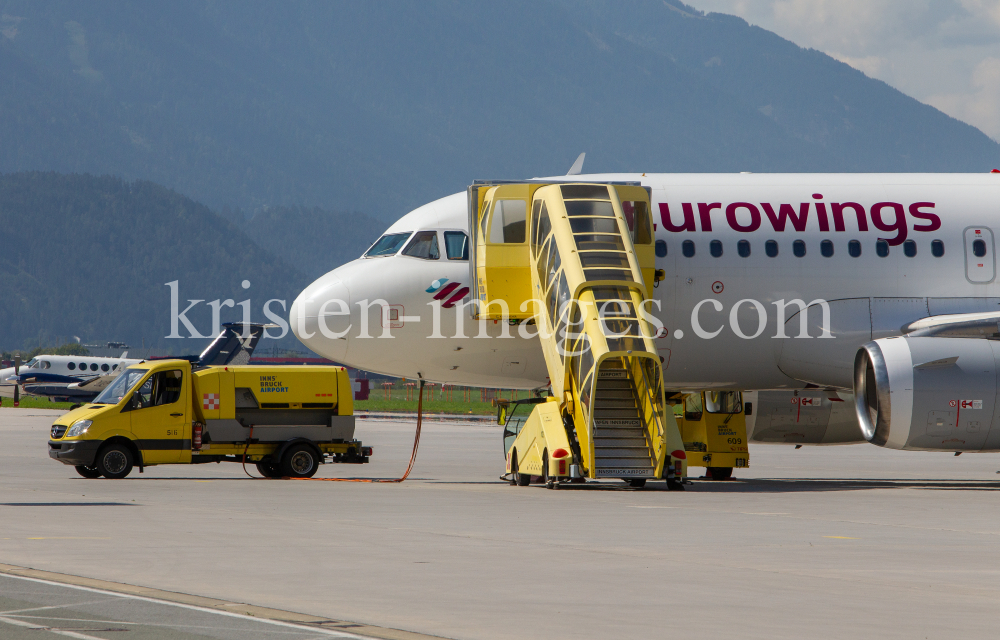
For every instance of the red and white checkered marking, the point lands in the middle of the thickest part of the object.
(210, 401)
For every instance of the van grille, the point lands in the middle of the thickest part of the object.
(58, 431)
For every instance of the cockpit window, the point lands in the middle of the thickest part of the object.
(456, 244)
(388, 244)
(31, 363)
(424, 245)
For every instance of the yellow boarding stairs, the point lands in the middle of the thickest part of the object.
(576, 260)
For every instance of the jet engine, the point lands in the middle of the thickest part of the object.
(928, 393)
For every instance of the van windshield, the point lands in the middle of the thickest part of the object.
(120, 387)
(387, 245)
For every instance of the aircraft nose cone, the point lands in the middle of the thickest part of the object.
(320, 317)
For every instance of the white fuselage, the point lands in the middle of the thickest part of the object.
(721, 312)
(81, 367)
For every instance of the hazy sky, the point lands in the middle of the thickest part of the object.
(945, 53)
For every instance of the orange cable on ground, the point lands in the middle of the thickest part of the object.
(413, 456)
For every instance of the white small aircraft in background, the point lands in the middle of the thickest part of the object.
(61, 371)
(849, 307)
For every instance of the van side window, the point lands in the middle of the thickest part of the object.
(167, 387)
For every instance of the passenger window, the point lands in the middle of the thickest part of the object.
(83, 366)
(105, 368)
(826, 248)
(715, 248)
(424, 245)
(937, 248)
(71, 366)
(508, 222)
(93, 366)
(854, 249)
(979, 248)
(771, 248)
(687, 248)
(387, 245)
(743, 248)
(882, 248)
(910, 249)
(799, 248)
(661, 249)
(456, 244)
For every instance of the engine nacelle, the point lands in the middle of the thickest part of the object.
(930, 394)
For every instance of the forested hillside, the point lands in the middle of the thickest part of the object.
(380, 107)
(90, 257)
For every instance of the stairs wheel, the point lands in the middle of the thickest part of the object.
(637, 483)
(675, 485)
(720, 473)
(519, 479)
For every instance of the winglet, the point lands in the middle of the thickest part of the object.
(577, 167)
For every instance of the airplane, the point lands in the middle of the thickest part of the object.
(872, 296)
(82, 378)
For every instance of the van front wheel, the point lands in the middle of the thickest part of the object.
(114, 461)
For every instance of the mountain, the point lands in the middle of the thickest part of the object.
(91, 257)
(381, 107)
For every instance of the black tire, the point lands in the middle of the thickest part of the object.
(720, 473)
(88, 472)
(637, 483)
(674, 485)
(268, 469)
(545, 468)
(299, 461)
(521, 480)
(114, 461)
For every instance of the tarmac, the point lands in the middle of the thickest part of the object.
(830, 542)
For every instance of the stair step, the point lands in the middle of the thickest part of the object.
(614, 383)
(613, 414)
(624, 393)
(632, 421)
(612, 374)
(626, 463)
(612, 441)
(614, 403)
(631, 453)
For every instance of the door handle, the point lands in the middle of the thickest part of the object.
(176, 415)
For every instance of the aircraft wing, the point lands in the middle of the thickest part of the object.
(957, 325)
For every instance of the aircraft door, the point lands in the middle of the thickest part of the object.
(980, 263)
(501, 252)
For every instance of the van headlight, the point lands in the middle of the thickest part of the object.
(79, 428)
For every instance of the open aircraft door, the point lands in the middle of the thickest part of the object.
(498, 222)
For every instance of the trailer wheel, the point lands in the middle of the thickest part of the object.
(268, 469)
(520, 479)
(720, 473)
(299, 461)
(114, 461)
(637, 483)
(88, 472)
